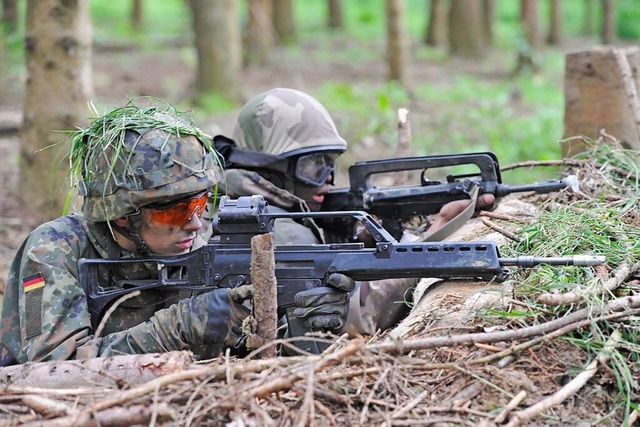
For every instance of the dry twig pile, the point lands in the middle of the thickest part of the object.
(562, 349)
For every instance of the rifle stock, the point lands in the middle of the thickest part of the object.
(225, 261)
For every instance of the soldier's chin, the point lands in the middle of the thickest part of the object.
(313, 205)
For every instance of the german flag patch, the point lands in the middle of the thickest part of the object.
(33, 289)
(33, 282)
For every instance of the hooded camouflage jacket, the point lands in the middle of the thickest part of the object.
(281, 121)
(45, 314)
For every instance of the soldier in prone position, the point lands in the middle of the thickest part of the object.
(146, 175)
(284, 147)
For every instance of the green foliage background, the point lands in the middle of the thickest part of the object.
(479, 106)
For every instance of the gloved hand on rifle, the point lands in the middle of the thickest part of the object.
(326, 308)
(446, 214)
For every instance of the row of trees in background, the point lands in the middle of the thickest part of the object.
(461, 27)
(58, 44)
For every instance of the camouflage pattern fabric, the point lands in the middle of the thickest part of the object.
(282, 120)
(45, 314)
(163, 166)
(277, 122)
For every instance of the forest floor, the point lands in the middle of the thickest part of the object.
(371, 384)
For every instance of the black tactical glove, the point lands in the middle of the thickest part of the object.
(326, 308)
(217, 317)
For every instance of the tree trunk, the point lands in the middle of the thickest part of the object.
(10, 15)
(529, 17)
(2, 64)
(436, 34)
(136, 15)
(488, 15)
(397, 41)
(466, 30)
(609, 22)
(260, 32)
(218, 46)
(555, 23)
(57, 45)
(598, 95)
(283, 21)
(335, 14)
(589, 13)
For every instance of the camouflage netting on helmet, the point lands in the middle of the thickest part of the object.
(134, 156)
(283, 120)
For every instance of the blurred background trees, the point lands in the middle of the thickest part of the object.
(476, 74)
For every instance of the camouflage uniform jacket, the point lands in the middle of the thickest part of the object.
(45, 314)
(375, 304)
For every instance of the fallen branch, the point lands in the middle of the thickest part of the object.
(623, 273)
(508, 234)
(513, 404)
(47, 407)
(532, 163)
(121, 416)
(497, 215)
(286, 382)
(521, 417)
(114, 371)
(552, 335)
(400, 346)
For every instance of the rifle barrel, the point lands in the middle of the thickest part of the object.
(530, 261)
(570, 182)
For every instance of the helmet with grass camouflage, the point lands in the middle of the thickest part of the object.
(286, 122)
(135, 156)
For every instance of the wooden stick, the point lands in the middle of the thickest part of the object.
(619, 304)
(621, 275)
(404, 145)
(532, 163)
(47, 407)
(508, 234)
(513, 404)
(521, 417)
(307, 406)
(120, 416)
(497, 215)
(265, 296)
(286, 382)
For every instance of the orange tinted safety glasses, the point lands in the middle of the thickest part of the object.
(180, 212)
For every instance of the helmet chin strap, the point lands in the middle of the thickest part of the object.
(131, 233)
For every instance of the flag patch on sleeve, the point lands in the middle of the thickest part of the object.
(33, 282)
(33, 289)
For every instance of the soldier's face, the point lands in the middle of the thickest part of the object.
(314, 196)
(168, 239)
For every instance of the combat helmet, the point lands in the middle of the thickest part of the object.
(136, 156)
(293, 133)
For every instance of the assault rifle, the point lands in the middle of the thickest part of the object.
(401, 203)
(225, 260)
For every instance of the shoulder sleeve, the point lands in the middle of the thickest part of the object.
(288, 232)
(52, 307)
